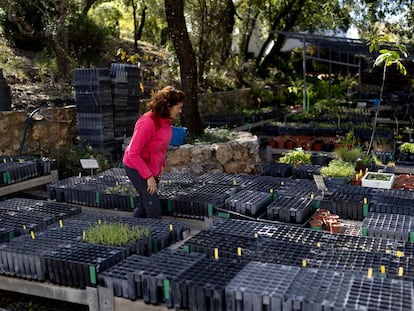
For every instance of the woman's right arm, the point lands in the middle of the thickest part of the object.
(143, 132)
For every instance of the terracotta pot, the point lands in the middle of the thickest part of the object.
(272, 143)
(316, 224)
(317, 146)
(337, 227)
(280, 144)
(290, 144)
(322, 212)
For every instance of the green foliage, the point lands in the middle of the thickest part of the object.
(338, 168)
(407, 148)
(213, 136)
(123, 189)
(295, 89)
(68, 159)
(349, 154)
(296, 157)
(388, 56)
(32, 16)
(87, 40)
(46, 63)
(107, 15)
(329, 104)
(115, 234)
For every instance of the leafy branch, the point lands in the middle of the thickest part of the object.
(386, 58)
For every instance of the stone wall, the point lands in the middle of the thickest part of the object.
(48, 130)
(240, 156)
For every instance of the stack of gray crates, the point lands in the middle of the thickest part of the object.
(94, 110)
(125, 79)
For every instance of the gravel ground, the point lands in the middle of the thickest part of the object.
(12, 301)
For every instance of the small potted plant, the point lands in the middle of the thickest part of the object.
(338, 171)
(349, 154)
(296, 157)
(406, 152)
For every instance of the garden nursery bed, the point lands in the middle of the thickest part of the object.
(261, 227)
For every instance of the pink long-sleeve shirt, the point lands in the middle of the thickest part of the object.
(148, 146)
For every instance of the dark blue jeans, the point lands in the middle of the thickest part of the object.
(151, 204)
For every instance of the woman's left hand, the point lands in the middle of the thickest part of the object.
(151, 185)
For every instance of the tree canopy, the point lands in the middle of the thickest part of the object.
(219, 44)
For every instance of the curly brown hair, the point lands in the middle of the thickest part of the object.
(166, 98)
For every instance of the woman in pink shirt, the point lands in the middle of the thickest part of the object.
(144, 157)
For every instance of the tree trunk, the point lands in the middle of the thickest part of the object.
(230, 11)
(142, 23)
(87, 6)
(174, 10)
(134, 15)
(292, 12)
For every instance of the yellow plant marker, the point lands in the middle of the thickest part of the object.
(171, 227)
(400, 254)
(216, 256)
(32, 234)
(365, 200)
(271, 190)
(60, 223)
(83, 235)
(303, 262)
(369, 275)
(400, 271)
(239, 251)
(99, 222)
(318, 244)
(382, 269)
(24, 227)
(234, 182)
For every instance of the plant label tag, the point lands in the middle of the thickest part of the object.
(320, 183)
(89, 163)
